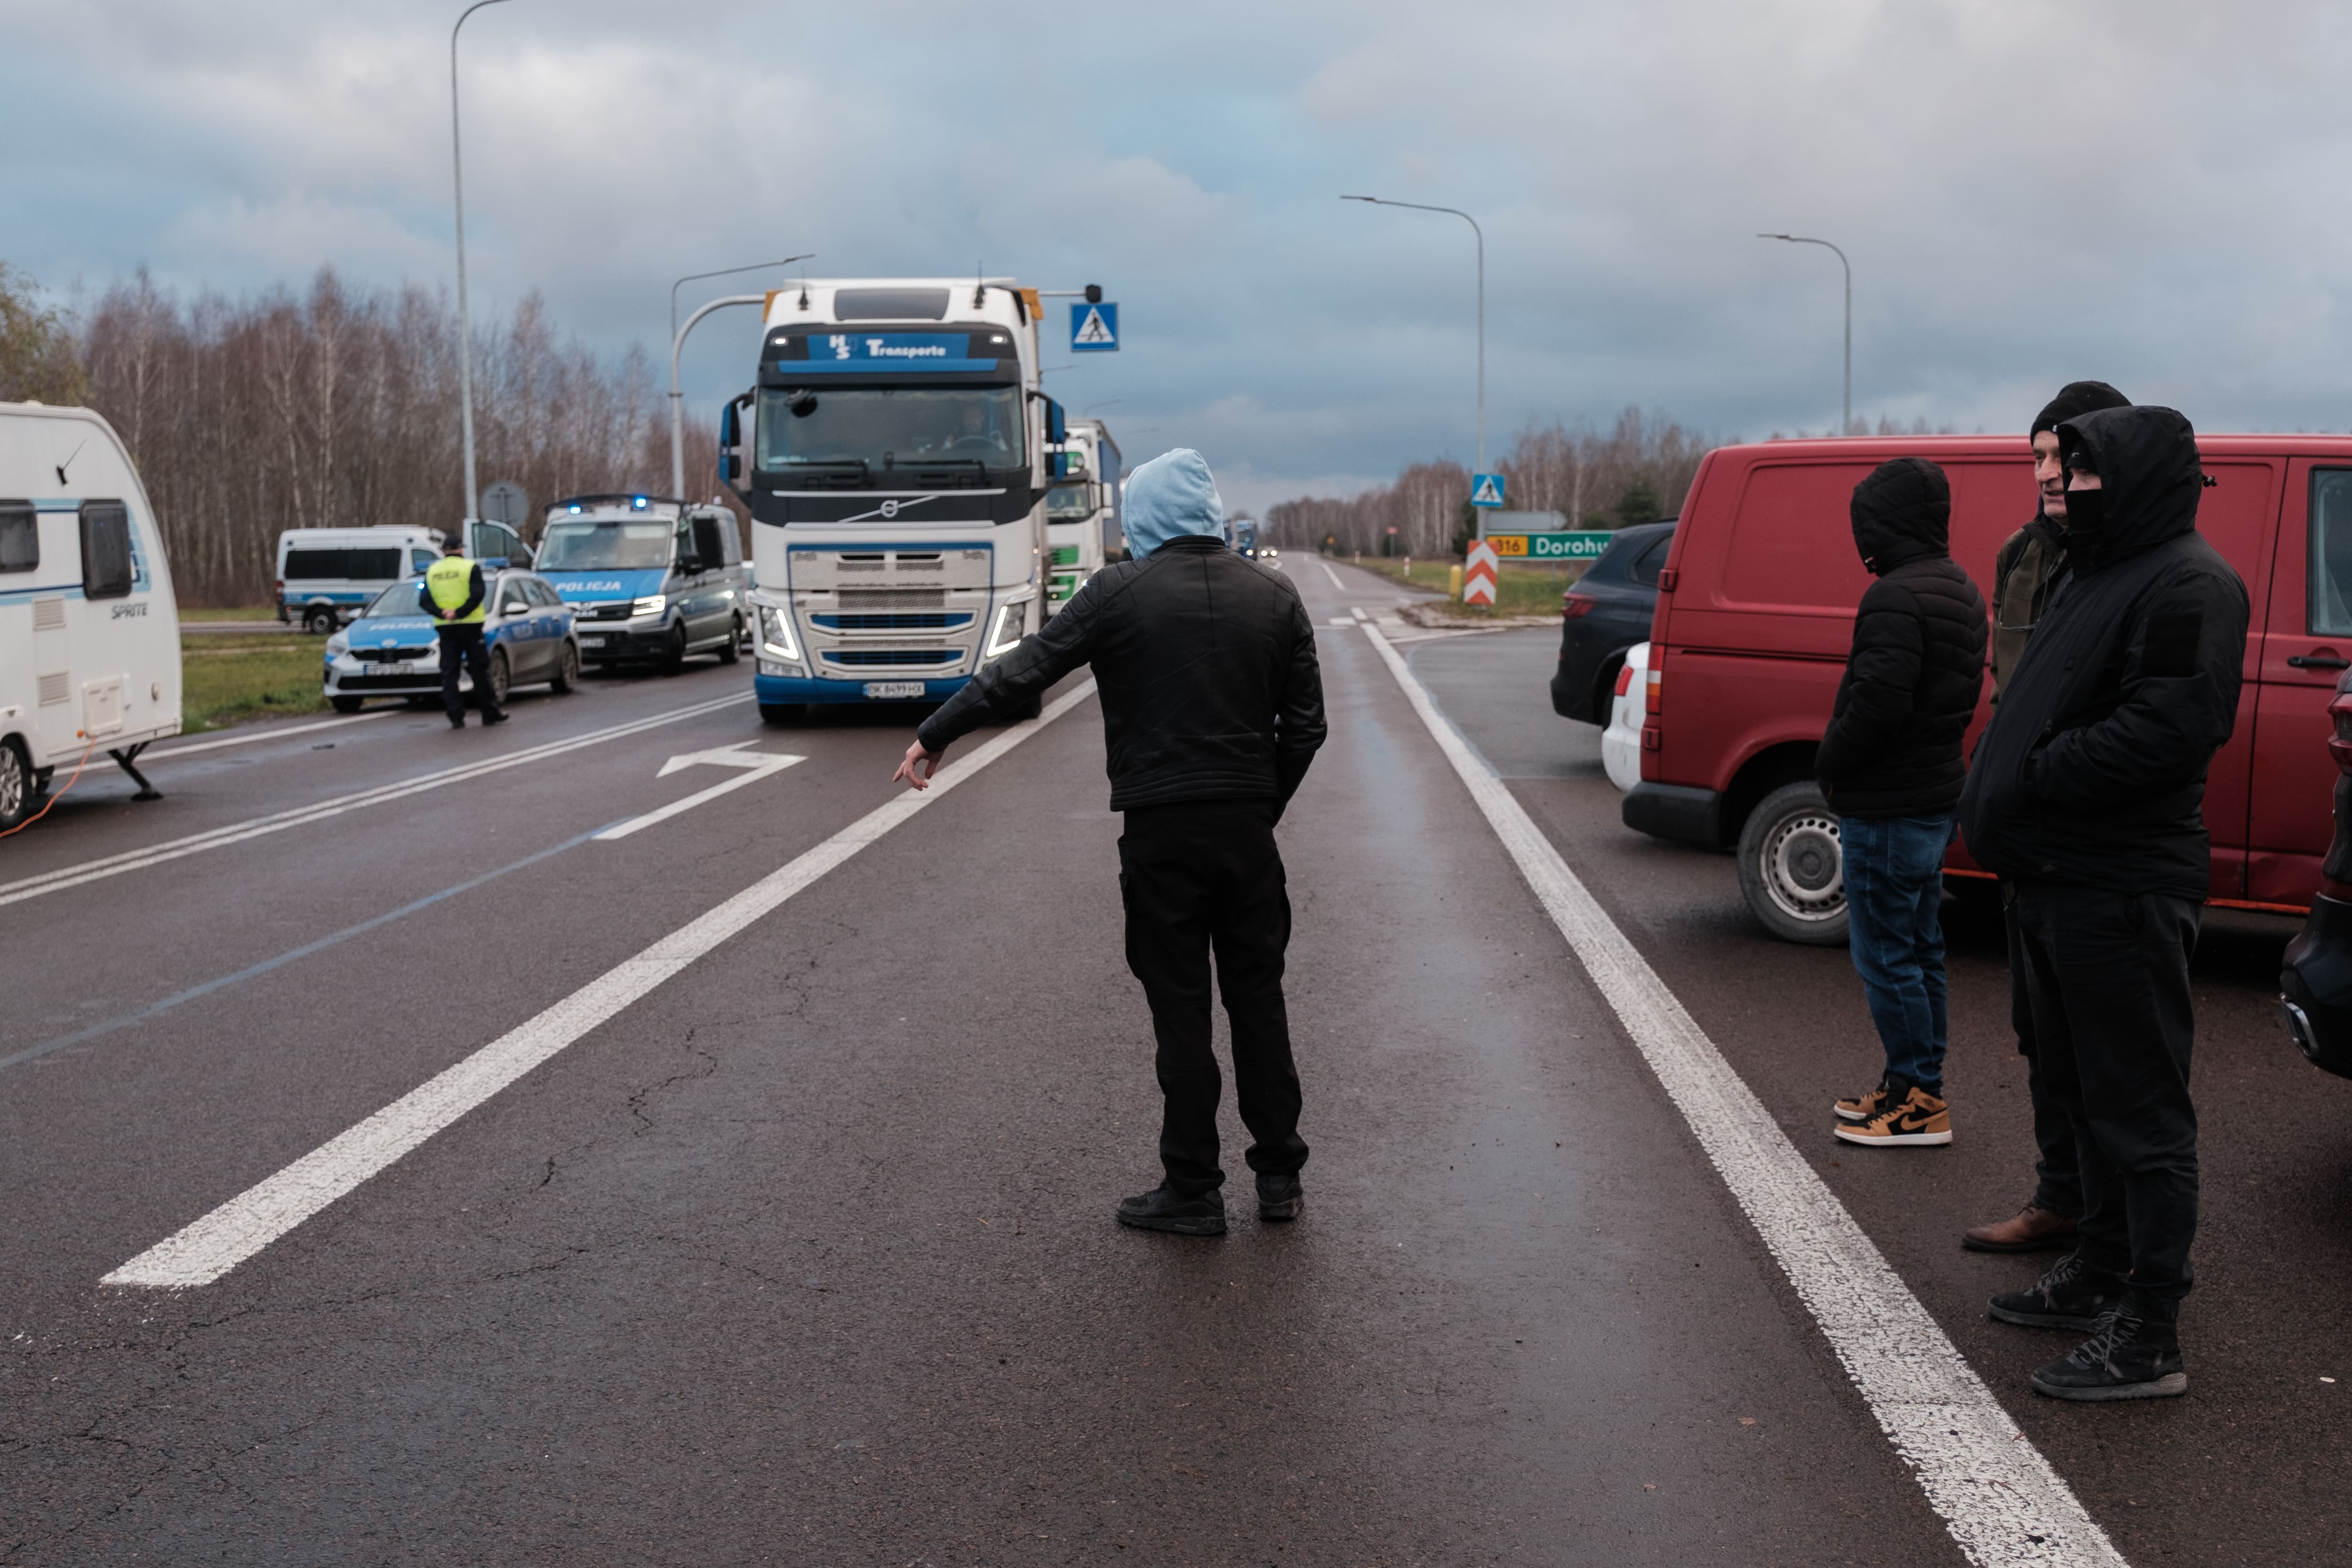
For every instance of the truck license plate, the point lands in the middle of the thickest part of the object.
(894, 689)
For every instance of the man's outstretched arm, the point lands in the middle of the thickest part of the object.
(1004, 687)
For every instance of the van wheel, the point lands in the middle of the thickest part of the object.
(784, 715)
(502, 676)
(319, 621)
(15, 785)
(567, 671)
(673, 653)
(1792, 869)
(347, 704)
(731, 650)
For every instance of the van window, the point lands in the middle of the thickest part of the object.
(1792, 541)
(372, 565)
(105, 550)
(420, 560)
(20, 536)
(1649, 563)
(2330, 572)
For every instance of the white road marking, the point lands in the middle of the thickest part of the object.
(1333, 576)
(1995, 1492)
(1343, 620)
(757, 765)
(278, 822)
(239, 1228)
(264, 735)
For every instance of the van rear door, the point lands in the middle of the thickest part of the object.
(2298, 650)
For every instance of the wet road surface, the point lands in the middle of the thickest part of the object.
(805, 1255)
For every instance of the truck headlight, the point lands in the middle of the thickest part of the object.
(651, 606)
(1005, 635)
(776, 634)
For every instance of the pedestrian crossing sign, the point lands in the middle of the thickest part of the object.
(1094, 327)
(1485, 490)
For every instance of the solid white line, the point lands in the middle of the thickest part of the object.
(1333, 576)
(265, 735)
(1995, 1492)
(278, 822)
(767, 767)
(210, 1247)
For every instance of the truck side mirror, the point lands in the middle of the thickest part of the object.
(1057, 430)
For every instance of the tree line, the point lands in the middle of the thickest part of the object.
(1639, 472)
(334, 407)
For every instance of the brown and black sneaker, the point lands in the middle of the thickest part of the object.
(1862, 1107)
(1918, 1118)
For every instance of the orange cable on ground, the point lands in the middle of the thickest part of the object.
(58, 796)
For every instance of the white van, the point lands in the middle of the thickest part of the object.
(90, 634)
(326, 577)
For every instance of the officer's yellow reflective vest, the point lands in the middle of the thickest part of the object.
(450, 580)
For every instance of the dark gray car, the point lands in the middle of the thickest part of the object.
(1606, 613)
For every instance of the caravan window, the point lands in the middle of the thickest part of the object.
(20, 536)
(105, 550)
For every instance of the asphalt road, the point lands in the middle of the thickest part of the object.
(804, 1256)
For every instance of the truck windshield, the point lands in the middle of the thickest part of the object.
(611, 546)
(889, 426)
(400, 599)
(1064, 503)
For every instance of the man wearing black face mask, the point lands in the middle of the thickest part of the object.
(2087, 793)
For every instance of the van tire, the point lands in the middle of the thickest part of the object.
(673, 653)
(566, 678)
(1789, 869)
(319, 621)
(347, 704)
(17, 790)
(731, 650)
(784, 715)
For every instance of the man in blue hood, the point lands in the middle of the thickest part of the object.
(1213, 708)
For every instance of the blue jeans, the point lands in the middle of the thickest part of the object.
(1894, 898)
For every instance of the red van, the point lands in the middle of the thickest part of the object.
(1756, 611)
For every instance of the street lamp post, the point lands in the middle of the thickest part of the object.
(678, 341)
(677, 346)
(1465, 217)
(1847, 427)
(465, 324)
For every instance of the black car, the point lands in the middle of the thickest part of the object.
(1606, 613)
(2316, 986)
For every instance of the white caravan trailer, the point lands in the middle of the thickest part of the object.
(89, 635)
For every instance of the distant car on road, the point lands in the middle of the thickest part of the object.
(1606, 613)
(2316, 985)
(1621, 742)
(393, 651)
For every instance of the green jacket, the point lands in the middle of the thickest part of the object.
(2022, 572)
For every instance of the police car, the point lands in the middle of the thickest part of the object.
(394, 650)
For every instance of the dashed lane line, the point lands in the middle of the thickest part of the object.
(210, 1247)
(317, 811)
(2000, 1499)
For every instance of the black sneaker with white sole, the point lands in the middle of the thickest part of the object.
(1279, 1194)
(2074, 1294)
(1163, 1208)
(2135, 1355)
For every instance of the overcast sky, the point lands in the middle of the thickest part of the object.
(2146, 192)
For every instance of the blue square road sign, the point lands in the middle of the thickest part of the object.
(1093, 329)
(1487, 490)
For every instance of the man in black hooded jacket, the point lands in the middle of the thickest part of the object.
(2087, 792)
(1890, 764)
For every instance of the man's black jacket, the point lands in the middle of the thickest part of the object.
(2092, 773)
(1893, 748)
(1206, 667)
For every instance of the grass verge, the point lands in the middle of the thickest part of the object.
(246, 613)
(1521, 590)
(227, 679)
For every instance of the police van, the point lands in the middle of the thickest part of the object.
(650, 579)
(327, 575)
(90, 634)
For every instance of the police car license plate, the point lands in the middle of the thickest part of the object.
(894, 689)
(591, 642)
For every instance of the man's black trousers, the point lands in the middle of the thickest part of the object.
(464, 640)
(2107, 977)
(1198, 878)
(2057, 1171)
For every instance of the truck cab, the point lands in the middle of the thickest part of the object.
(650, 579)
(1083, 530)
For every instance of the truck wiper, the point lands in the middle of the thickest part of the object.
(959, 466)
(852, 468)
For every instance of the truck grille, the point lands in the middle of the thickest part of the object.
(893, 621)
(890, 598)
(870, 658)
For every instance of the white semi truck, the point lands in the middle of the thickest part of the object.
(895, 453)
(1083, 530)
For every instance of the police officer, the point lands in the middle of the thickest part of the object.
(456, 599)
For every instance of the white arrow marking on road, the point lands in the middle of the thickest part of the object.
(757, 765)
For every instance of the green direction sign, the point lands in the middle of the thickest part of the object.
(1582, 544)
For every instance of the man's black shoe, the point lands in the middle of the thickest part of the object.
(2072, 1295)
(459, 722)
(1278, 1197)
(490, 719)
(2135, 1355)
(1162, 1209)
